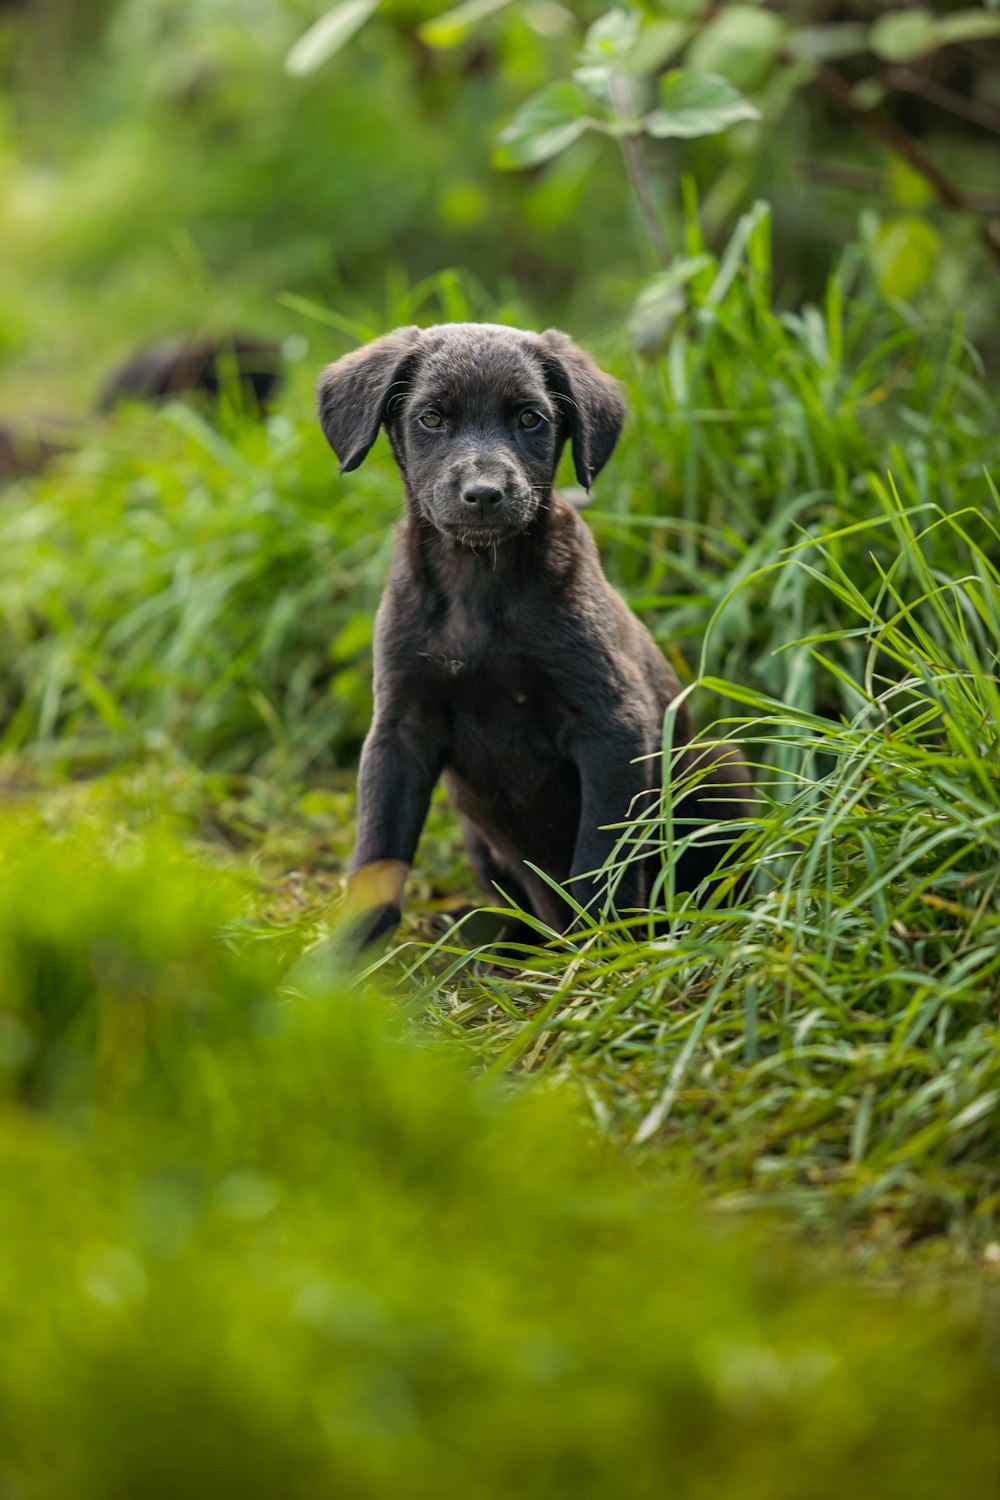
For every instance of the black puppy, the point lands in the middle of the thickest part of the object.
(503, 658)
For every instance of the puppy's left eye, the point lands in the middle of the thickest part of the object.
(431, 419)
(530, 418)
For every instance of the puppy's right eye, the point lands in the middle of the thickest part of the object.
(431, 419)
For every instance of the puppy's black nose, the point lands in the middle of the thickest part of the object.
(484, 497)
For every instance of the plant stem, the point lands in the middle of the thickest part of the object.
(635, 166)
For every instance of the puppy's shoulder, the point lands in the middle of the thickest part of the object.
(570, 550)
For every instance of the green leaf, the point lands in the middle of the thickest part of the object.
(741, 43)
(902, 36)
(611, 38)
(869, 93)
(595, 79)
(683, 10)
(906, 187)
(543, 127)
(548, 18)
(452, 27)
(657, 44)
(607, 46)
(317, 45)
(697, 104)
(966, 26)
(354, 638)
(906, 250)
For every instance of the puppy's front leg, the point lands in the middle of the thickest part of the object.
(395, 781)
(612, 782)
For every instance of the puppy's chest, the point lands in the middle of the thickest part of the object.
(465, 639)
(509, 730)
(495, 693)
(496, 674)
(471, 641)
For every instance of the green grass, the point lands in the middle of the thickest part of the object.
(837, 1036)
(801, 511)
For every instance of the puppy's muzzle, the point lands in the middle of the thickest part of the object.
(482, 503)
(478, 502)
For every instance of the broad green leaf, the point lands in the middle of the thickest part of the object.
(611, 38)
(741, 43)
(317, 45)
(595, 79)
(607, 47)
(906, 250)
(657, 44)
(697, 104)
(548, 18)
(543, 127)
(452, 27)
(901, 35)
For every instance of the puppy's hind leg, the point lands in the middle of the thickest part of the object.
(721, 793)
(500, 880)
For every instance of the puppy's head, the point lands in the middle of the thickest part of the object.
(477, 415)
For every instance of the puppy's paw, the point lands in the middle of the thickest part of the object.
(366, 929)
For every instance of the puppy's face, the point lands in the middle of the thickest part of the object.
(477, 416)
(477, 433)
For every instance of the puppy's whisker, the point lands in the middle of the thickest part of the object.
(400, 396)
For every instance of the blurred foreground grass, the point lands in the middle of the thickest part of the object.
(261, 1238)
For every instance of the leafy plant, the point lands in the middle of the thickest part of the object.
(727, 49)
(610, 94)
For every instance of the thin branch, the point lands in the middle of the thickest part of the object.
(903, 145)
(853, 178)
(912, 82)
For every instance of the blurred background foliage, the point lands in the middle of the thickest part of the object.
(166, 166)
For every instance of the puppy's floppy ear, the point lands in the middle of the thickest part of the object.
(589, 402)
(355, 394)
